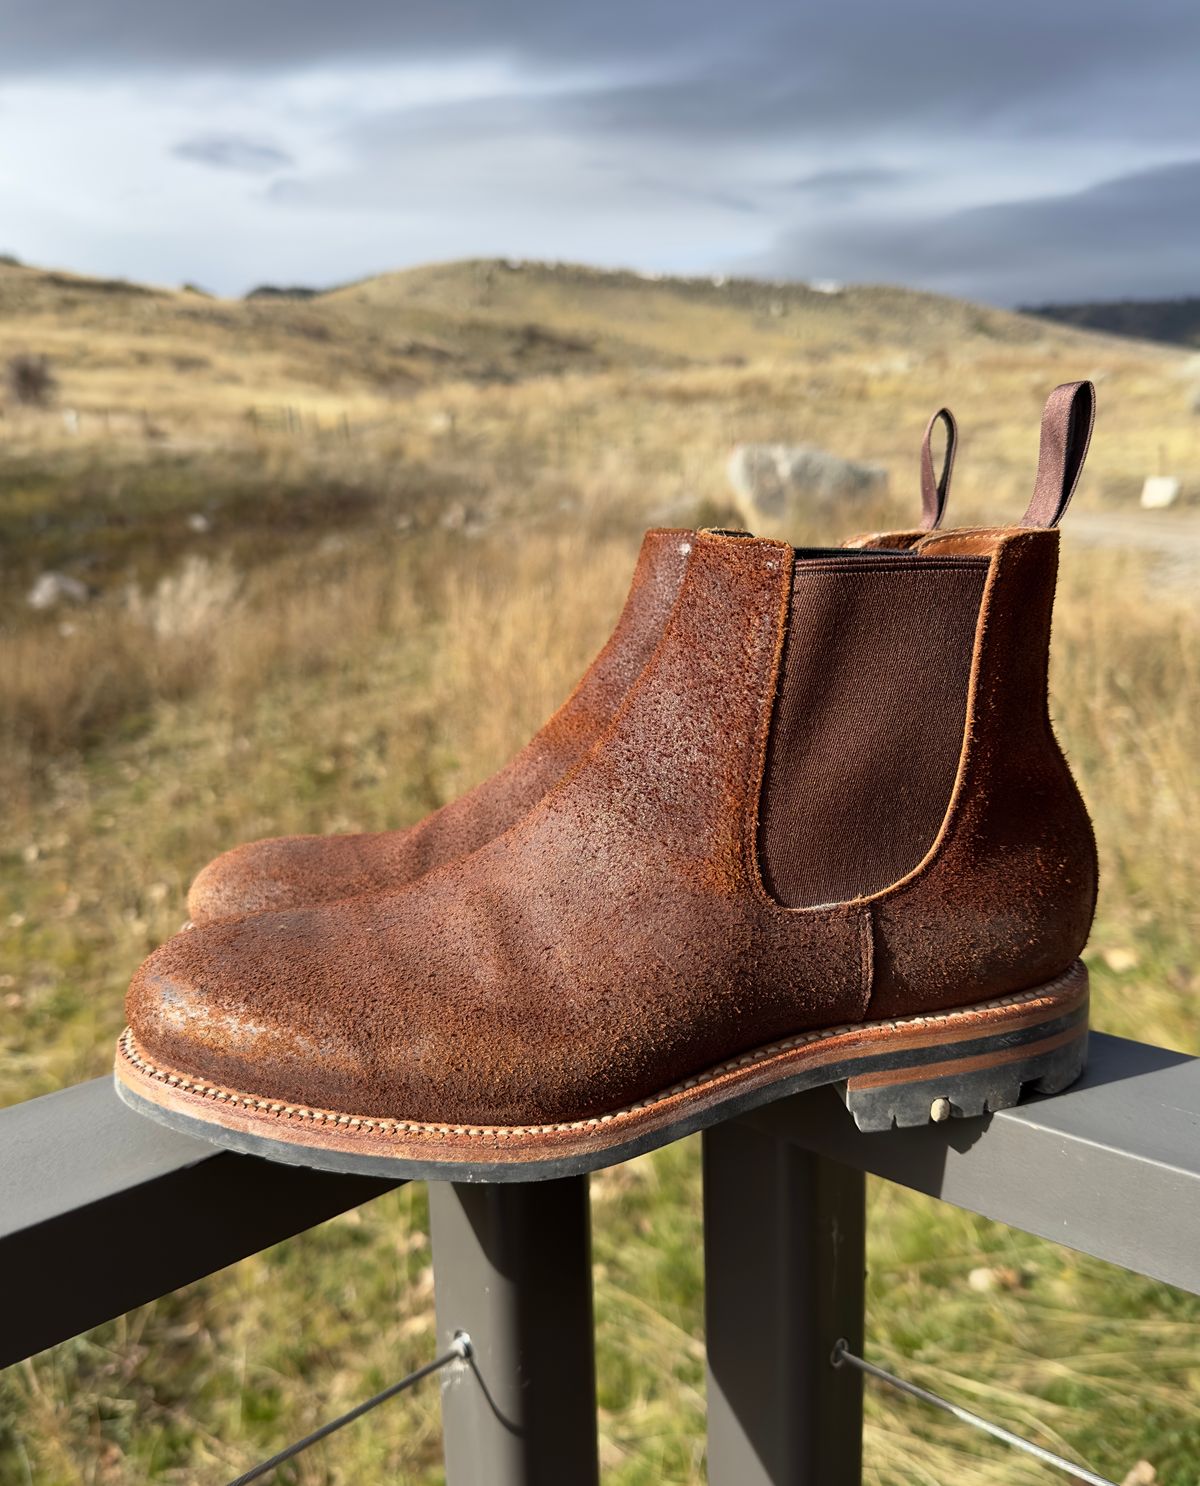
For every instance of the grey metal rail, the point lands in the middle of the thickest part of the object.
(101, 1210)
(1111, 1167)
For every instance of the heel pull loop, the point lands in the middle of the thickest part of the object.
(936, 491)
(1067, 421)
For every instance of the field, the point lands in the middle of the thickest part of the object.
(343, 555)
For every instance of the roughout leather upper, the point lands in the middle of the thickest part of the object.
(297, 871)
(1007, 894)
(618, 937)
(292, 871)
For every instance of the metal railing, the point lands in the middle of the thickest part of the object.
(101, 1210)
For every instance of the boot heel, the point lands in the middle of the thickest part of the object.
(965, 1076)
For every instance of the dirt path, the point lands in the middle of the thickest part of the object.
(1170, 532)
(1171, 536)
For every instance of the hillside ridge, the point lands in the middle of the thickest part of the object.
(191, 363)
(1173, 322)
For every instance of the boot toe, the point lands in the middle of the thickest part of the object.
(280, 873)
(207, 1005)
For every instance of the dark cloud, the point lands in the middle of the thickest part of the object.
(280, 34)
(1133, 235)
(695, 68)
(233, 152)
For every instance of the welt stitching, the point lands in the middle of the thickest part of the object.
(388, 1126)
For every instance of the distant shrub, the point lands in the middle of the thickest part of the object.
(76, 283)
(277, 291)
(188, 603)
(30, 380)
(9, 260)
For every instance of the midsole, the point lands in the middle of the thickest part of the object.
(958, 1059)
(979, 1035)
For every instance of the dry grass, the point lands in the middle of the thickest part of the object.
(325, 661)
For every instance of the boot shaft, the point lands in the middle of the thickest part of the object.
(911, 765)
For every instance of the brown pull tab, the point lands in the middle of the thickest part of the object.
(1067, 421)
(935, 492)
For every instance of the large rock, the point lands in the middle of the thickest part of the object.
(778, 487)
(1159, 492)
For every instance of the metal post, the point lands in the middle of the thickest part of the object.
(512, 1266)
(784, 1237)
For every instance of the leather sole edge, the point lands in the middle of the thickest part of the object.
(969, 1061)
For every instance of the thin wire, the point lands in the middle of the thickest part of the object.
(458, 1351)
(842, 1353)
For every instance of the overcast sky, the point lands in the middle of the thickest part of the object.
(1019, 152)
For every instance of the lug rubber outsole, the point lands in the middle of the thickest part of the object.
(970, 1061)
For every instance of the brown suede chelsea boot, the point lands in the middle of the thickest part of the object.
(292, 871)
(828, 837)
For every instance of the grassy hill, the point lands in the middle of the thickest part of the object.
(653, 319)
(182, 354)
(343, 553)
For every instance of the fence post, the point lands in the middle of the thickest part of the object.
(512, 1267)
(784, 1238)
